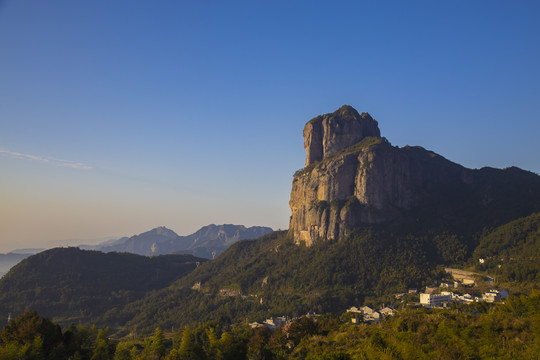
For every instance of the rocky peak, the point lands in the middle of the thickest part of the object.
(327, 134)
(371, 182)
(162, 231)
(356, 178)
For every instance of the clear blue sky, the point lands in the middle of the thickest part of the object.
(120, 116)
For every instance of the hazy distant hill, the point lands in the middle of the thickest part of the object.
(73, 285)
(206, 241)
(142, 244)
(7, 261)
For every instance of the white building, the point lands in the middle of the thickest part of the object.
(375, 317)
(435, 300)
(495, 295)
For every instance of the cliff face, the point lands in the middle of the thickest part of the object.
(327, 134)
(354, 177)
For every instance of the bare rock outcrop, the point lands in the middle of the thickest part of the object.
(353, 177)
(327, 134)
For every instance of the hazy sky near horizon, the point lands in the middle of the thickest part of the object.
(120, 116)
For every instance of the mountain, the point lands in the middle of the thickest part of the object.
(28, 251)
(368, 220)
(207, 242)
(146, 243)
(211, 240)
(353, 177)
(271, 276)
(71, 285)
(376, 220)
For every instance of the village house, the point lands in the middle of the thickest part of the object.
(274, 323)
(365, 314)
(387, 311)
(354, 309)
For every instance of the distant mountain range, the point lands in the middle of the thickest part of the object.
(207, 242)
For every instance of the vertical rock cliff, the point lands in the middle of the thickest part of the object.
(354, 177)
(327, 134)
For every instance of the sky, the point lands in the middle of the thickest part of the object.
(120, 116)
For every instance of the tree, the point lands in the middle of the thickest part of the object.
(190, 346)
(33, 331)
(258, 348)
(301, 328)
(122, 351)
(104, 350)
(157, 345)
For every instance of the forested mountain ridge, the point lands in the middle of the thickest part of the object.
(72, 285)
(271, 276)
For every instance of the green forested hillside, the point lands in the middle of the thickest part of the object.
(259, 278)
(272, 276)
(512, 251)
(475, 331)
(70, 284)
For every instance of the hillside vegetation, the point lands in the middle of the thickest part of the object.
(271, 276)
(512, 251)
(72, 285)
(503, 331)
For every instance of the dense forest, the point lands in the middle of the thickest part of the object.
(271, 276)
(168, 307)
(74, 285)
(512, 252)
(476, 331)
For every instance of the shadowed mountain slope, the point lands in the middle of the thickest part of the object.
(70, 284)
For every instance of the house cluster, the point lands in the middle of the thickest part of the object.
(367, 314)
(280, 321)
(271, 323)
(445, 298)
